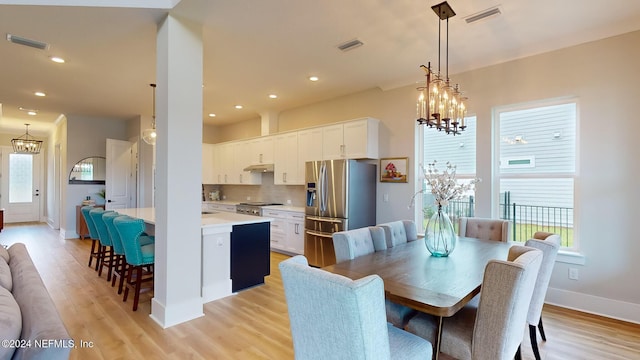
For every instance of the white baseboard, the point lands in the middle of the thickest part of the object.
(64, 234)
(610, 308)
(176, 314)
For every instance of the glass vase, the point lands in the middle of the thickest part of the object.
(440, 237)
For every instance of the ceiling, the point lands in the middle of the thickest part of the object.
(256, 48)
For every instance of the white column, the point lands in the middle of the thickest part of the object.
(178, 173)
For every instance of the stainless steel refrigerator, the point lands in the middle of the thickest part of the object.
(341, 195)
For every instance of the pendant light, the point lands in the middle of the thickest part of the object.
(149, 135)
(26, 144)
(441, 105)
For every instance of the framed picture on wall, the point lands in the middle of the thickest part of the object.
(394, 169)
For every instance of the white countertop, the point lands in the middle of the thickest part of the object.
(222, 202)
(148, 215)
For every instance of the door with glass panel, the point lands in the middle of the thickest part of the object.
(20, 195)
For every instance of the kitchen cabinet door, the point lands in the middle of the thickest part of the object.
(360, 139)
(208, 174)
(239, 158)
(309, 145)
(295, 228)
(286, 160)
(261, 150)
(332, 142)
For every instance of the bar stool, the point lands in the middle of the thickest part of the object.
(140, 258)
(118, 250)
(106, 249)
(93, 233)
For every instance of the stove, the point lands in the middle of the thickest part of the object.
(253, 208)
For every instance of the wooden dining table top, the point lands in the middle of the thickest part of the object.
(438, 286)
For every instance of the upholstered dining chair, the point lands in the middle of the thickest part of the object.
(106, 255)
(140, 258)
(494, 329)
(351, 244)
(399, 232)
(334, 317)
(549, 244)
(487, 229)
(93, 233)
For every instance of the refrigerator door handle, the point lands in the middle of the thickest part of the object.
(324, 219)
(325, 187)
(315, 233)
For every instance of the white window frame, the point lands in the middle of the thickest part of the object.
(567, 255)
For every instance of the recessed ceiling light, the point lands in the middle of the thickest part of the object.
(28, 111)
(212, 115)
(56, 59)
(238, 107)
(39, 93)
(273, 96)
(314, 78)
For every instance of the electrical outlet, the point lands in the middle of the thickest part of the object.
(288, 202)
(385, 197)
(573, 274)
(248, 198)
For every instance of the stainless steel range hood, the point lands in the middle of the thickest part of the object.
(259, 168)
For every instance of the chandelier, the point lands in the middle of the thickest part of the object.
(26, 144)
(149, 135)
(441, 105)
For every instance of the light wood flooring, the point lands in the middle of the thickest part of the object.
(250, 325)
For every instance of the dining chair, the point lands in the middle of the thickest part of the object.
(399, 232)
(351, 244)
(140, 258)
(106, 255)
(486, 229)
(549, 244)
(334, 317)
(494, 329)
(93, 233)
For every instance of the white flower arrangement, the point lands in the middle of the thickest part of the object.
(443, 184)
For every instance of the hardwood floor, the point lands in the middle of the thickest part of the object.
(250, 325)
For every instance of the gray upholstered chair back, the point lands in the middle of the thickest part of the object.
(399, 232)
(332, 316)
(549, 248)
(487, 229)
(350, 244)
(507, 287)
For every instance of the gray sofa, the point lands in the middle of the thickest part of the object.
(30, 326)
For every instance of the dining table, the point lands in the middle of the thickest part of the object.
(439, 286)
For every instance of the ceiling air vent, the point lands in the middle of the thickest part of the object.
(484, 14)
(350, 45)
(27, 42)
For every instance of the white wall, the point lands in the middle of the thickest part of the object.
(86, 136)
(604, 76)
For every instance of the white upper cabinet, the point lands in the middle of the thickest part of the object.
(261, 150)
(208, 176)
(286, 166)
(356, 139)
(309, 145)
(361, 139)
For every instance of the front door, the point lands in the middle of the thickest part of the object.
(119, 175)
(20, 191)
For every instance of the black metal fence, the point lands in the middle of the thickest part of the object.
(525, 219)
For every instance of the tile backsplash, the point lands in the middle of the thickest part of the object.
(267, 192)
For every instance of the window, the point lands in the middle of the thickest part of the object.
(20, 178)
(537, 168)
(459, 150)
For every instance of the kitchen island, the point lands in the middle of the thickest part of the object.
(235, 250)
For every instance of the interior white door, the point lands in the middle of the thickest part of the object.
(21, 196)
(118, 174)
